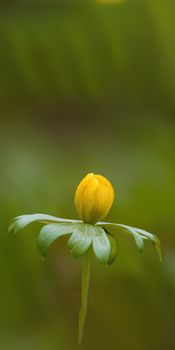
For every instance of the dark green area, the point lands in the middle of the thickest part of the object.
(86, 87)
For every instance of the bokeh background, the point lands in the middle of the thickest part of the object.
(87, 87)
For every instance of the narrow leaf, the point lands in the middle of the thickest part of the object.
(22, 221)
(138, 234)
(154, 239)
(80, 240)
(114, 249)
(139, 241)
(146, 234)
(101, 245)
(157, 245)
(49, 233)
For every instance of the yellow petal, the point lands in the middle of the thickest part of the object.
(93, 198)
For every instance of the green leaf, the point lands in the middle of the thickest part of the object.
(155, 240)
(22, 221)
(138, 234)
(114, 249)
(139, 241)
(157, 245)
(131, 230)
(49, 233)
(146, 234)
(101, 245)
(80, 240)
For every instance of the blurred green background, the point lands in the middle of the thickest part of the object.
(87, 87)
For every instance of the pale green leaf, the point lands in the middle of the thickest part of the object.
(22, 221)
(158, 248)
(131, 230)
(138, 234)
(138, 240)
(49, 233)
(154, 239)
(114, 249)
(80, 240)
(101, 245)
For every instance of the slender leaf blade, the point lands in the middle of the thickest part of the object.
(49, 233)
(154, 239)
(158, 248)
(138, 234)
(114, 249)
(101, 245)
(22, 221)
(80, 240)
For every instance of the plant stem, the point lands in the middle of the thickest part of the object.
(84, 294)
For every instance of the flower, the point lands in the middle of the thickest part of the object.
(93, 198)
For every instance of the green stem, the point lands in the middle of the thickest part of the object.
(84, 294)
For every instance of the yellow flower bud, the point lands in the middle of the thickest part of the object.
(93, 198)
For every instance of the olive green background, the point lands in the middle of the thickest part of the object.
(87, 87)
